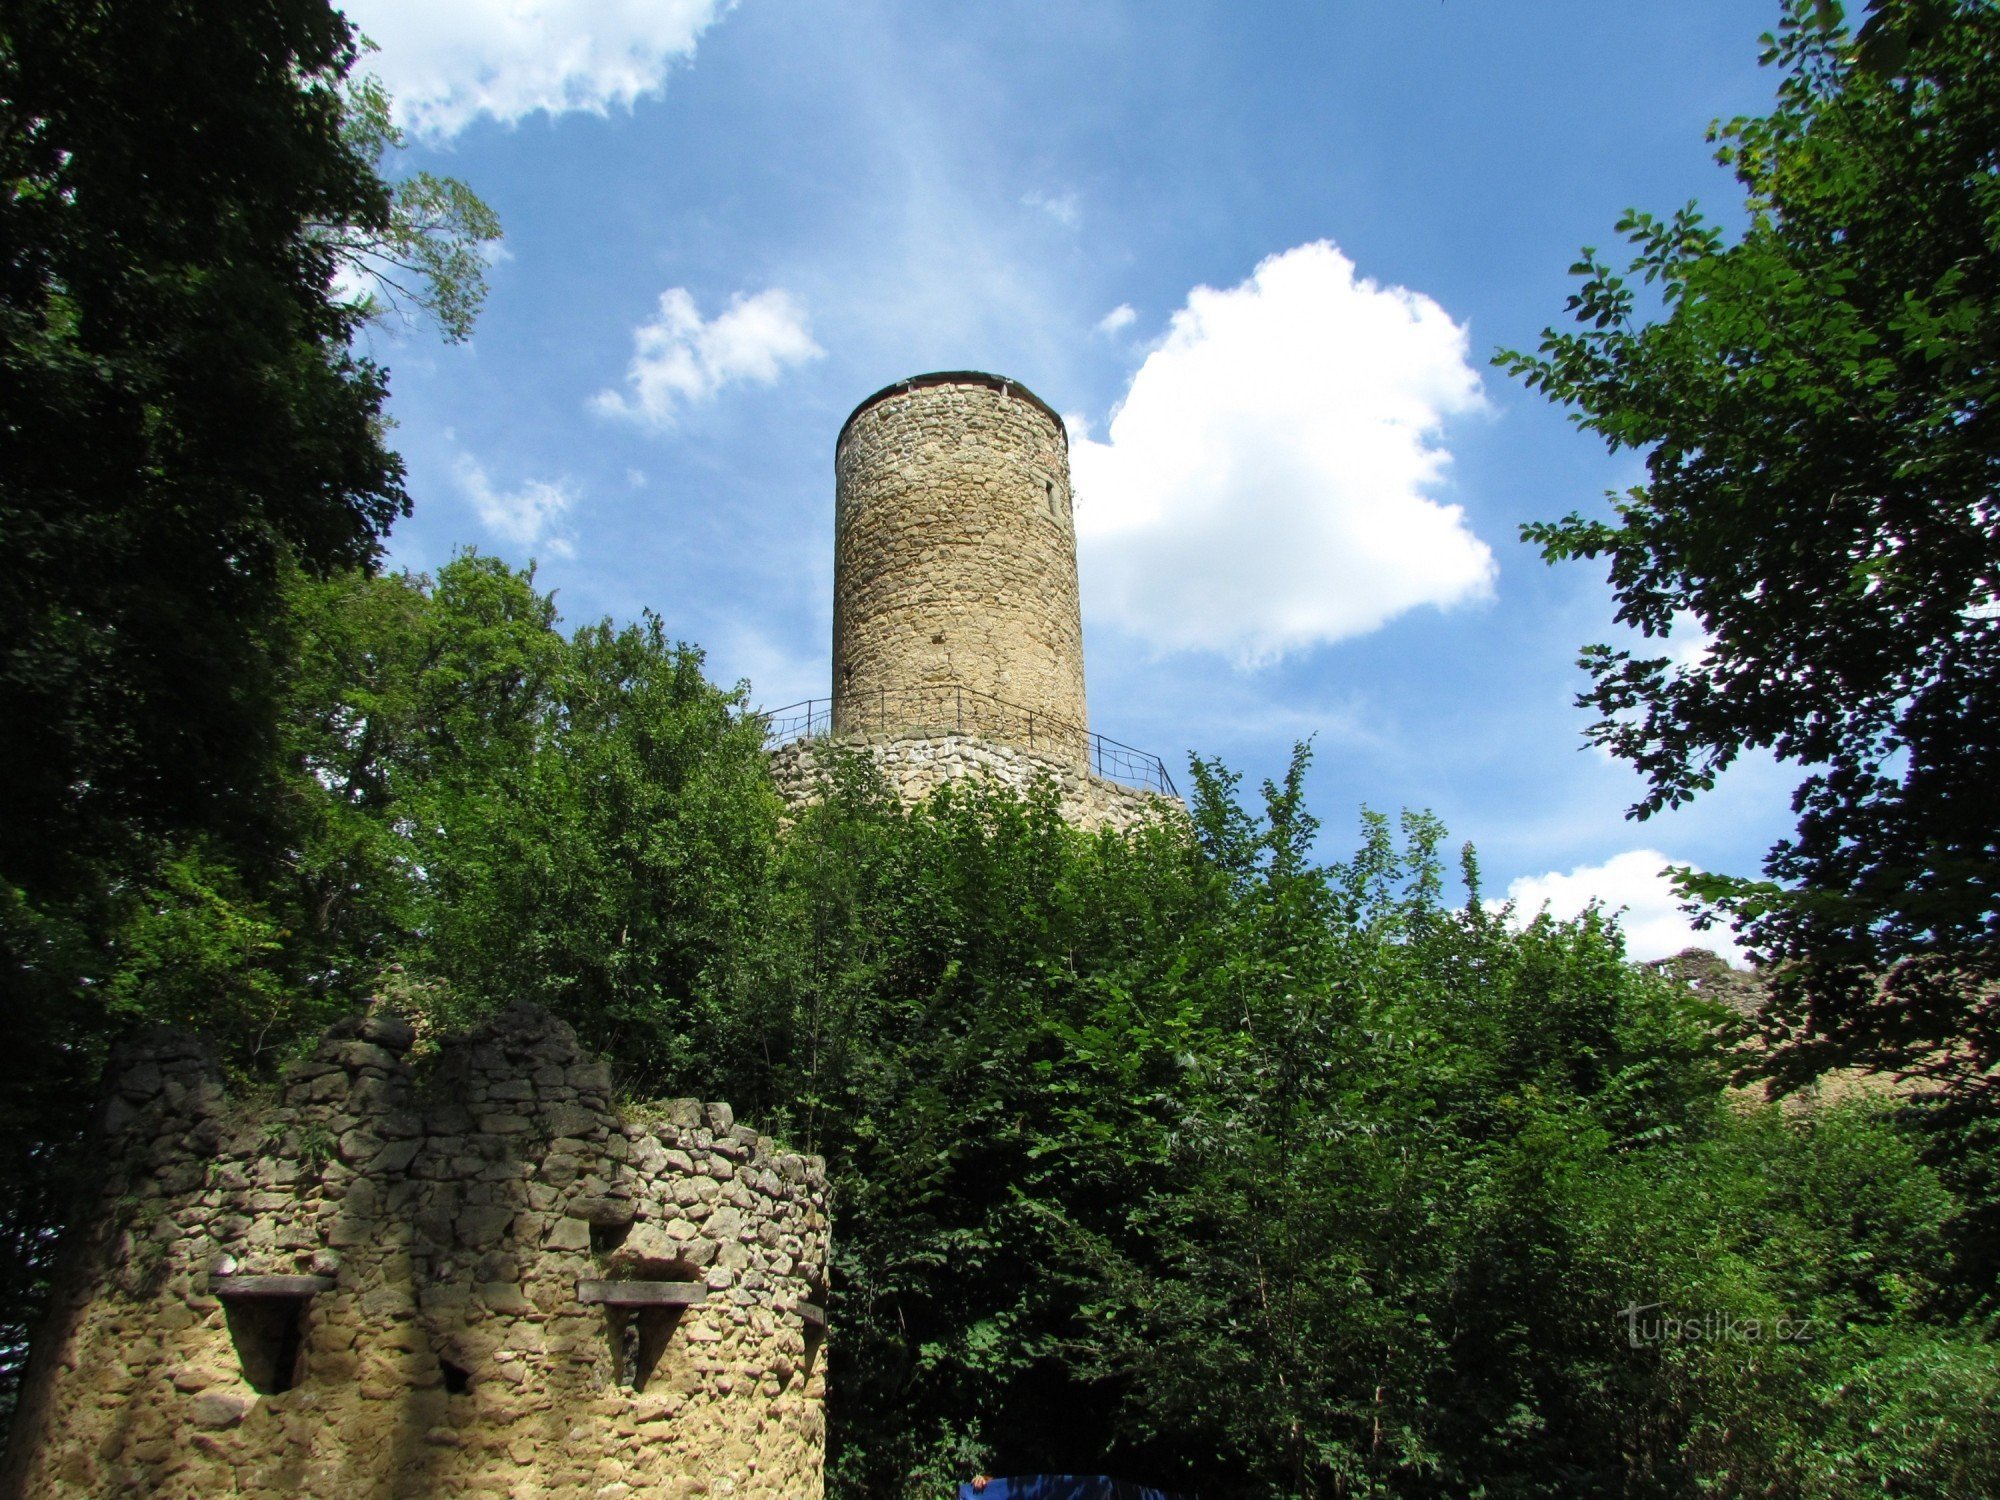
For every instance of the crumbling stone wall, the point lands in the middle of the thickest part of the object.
(955, 559)
(917, 765)
(1710, 975)
(386, 1283)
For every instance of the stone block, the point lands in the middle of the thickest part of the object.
(606, 1210)
(389, 1031)
(504, 1297)
(574, 1120)
(214, 1410)
(393, 1158)
(482, 1226)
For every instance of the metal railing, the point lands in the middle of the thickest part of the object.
(946, 708)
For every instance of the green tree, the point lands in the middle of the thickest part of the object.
(1815, 399)
(488, 810)
(183, 423)
(182, 412)
(1175, 1155)
(593, 819)
(429, 257)
(1185, 1158)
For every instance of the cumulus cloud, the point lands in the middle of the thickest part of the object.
(447, 62)
(1634, 883)
(1065, 208)
(1118, 319)
(1688, 645)
(527, 517)
(677, 358)
(1266, 484)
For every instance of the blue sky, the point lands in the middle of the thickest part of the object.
(1260, 256)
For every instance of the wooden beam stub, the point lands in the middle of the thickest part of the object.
(269, 1286)
(642, 1293)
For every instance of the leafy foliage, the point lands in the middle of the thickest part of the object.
(1187, 1158)
(1816, 403)
(429, 256)
(1176, 1154)
(183, 416)
(1182, 1155)
(183, 425)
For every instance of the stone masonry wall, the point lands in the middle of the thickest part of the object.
(955, 557)
(916, 766)
(443, 1235)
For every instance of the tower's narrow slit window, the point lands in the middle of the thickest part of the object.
(640, 1336)
(640, 1318)
(267, 1323)
(269, 1335)
(812, 1313)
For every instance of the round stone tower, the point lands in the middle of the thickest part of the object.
(954, 575)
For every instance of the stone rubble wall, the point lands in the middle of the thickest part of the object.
(955, 556)
(917, 766)
(455, 1216)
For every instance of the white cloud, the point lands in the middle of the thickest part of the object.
(527, 517)
(447, 62)
(1119, 318)
(1634, 882)
(1265, 484)
(1688, 645)
(677, 358)
(1065, 208)
(779, 669)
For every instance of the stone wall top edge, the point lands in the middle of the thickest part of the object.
(1001, 383)
(378, 1040)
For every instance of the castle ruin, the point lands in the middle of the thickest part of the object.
(466, 1272)
(472, 1277)
(957, 629)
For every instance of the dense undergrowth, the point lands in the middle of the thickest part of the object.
(1182, 1155)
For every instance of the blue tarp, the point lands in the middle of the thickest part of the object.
(1061, 1487)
